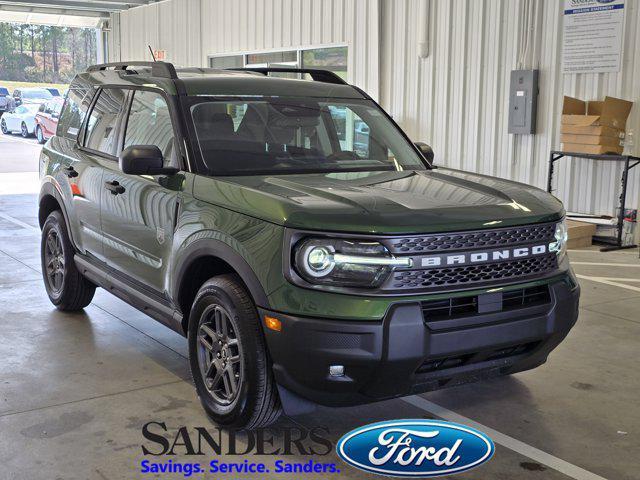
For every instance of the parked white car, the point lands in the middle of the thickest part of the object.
(20, 120)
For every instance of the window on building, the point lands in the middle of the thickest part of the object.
(272, 57)
(101, 128)
(327, 58)
(332, 58)
(229, 61)
(149, 123)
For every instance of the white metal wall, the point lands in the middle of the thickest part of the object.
(173, 26)
(455, 98)
(190, 30)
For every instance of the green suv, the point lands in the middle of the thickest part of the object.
(308, 250)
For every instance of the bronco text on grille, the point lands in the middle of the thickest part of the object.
(473, 258)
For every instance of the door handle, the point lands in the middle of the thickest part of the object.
(70, 172)
(114, 187)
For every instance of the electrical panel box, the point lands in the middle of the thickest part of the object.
(523, 101)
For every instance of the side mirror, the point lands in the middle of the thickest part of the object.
(426, 150)
(144, 160)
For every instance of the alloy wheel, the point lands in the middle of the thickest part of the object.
(54, 261)
(39, 135)
(24, 131)
(3, 127)
(220, 355)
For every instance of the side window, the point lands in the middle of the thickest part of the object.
(101, 134)
(149, 123)
(73, 112)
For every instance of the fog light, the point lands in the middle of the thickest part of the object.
(336, 371)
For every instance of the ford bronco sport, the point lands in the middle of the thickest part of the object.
(234, 207)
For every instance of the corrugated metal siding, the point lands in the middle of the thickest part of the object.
(255, 25)
(189, 30)
(173, 26)
(456, 99)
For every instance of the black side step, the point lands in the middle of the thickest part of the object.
(156, 308)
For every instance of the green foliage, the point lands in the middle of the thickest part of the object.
(39, 53)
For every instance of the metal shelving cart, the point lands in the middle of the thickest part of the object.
(629, 162)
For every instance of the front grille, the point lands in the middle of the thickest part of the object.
(457, 307)
(502, 237)
(449, 308)
(526, 297)
(434, 365)
(474, 274)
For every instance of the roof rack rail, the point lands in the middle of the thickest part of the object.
(158, 69)
(326, 76)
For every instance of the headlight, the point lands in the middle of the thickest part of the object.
(345, 263)
(561, 237)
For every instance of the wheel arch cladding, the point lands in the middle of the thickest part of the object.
(48, 203)
(207, 258)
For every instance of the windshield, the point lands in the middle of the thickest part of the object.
(37, 93)
(298, 135)
(4, 91)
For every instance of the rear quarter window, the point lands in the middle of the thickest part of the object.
(74, 110)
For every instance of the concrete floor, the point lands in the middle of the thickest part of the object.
(75, 389)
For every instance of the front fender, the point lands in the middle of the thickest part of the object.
(253, 251)
(209, 247)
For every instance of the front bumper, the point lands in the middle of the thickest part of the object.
(405, 354)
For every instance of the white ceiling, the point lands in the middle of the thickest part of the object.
(50, 19)
(71, 13)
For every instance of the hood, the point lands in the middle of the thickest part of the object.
(383, 202)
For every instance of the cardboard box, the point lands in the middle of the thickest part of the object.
(595, 149)
(580, 234)
(590, 140)
(612, 112)
(592, 130)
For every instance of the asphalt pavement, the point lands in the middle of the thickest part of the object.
(18, 154)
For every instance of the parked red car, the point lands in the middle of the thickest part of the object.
(47, 119)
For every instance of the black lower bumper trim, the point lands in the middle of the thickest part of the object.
(402, 354)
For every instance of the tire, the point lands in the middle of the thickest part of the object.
(242, 353)
(24, 131)
(39, 135)
(67, 289)
(3, 127)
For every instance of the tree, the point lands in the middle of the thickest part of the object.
(74, 46)
(32, 33)
(44, 53)
(43, 33)
(21, 39)
(57, 33)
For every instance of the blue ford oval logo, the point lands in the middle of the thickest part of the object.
(415, 448)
